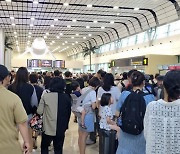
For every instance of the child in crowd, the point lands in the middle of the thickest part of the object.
(77, 91)
(106, 114)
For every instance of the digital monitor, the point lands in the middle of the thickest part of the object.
(33, 63)
(46, 63)
(59, 64)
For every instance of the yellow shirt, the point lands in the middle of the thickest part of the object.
(12, 113)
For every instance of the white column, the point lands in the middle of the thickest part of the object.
(2, 38)
(8, 59)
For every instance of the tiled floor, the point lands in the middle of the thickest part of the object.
(71, 142)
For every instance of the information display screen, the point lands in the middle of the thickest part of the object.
(39, 63)
(33, 63)
(59, 64)
(46, 63)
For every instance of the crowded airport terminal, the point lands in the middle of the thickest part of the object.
(89, 76)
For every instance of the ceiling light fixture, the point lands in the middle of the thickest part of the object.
(30, 33)
(115, 7)
(77, 34)
(87, 27)
(72, 43)
(112, 22)
(13, 24)
(57, 37)
(47, 33)
(118, 14)
(84, 37)
(53, 41)
(12, 18)
(15, 36)
(35, 2)
(63, 44)
(15, 32)
(45, 36)
(61, 34)
(74, 20)
(32, 18)
(8, 1)
(66, 4)
(29, 36)
(89, 5)
(68, 26)
(55, 19)
(90, 35)
(76, 42)
(66, 41)
(31, 25)
(72, 37)
(102, 27)
(95, 21)
(136, 9)
(52, 25)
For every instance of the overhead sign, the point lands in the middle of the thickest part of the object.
(145, 61)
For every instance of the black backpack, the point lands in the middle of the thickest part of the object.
(132, 113)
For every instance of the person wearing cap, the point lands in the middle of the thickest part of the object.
(13, 117)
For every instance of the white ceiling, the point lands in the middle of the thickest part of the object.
(127, 21)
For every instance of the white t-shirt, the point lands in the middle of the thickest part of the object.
(115, 92)
(104, 113)
(162, 127)
(91, 96)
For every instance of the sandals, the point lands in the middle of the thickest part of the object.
(83, 126)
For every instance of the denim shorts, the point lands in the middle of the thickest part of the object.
(89, 123)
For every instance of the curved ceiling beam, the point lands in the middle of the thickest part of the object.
(85, 44)
(108, 36)
(102, 6)
(112, 34)
(94, 40)
(132, 25)
(177, 7)
(101, 39)
(125, 26)
(115, 31)
(153, 13)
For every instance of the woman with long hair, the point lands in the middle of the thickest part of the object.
(109, 87)
(162, 118)
(24, 90)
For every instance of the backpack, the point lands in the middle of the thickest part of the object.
(78, 101)
(132, 113)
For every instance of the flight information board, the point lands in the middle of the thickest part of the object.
(38, 63)
(59, 64)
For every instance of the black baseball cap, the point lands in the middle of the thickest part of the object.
(3, 72)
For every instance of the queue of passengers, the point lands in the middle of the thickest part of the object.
(143, 110)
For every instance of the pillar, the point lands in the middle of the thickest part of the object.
(2, 39)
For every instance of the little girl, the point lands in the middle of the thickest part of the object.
(106, 114)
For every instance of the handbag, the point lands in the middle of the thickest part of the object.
(36, 123)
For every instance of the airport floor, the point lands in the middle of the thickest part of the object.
(71, 142)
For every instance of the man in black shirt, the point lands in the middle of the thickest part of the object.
(68, 80)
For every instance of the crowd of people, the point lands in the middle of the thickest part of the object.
(144, 110)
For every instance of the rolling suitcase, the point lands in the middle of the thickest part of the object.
(107, 142)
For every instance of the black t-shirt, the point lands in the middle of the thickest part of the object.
(24, 91)
(68, 89)
(39, 92)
